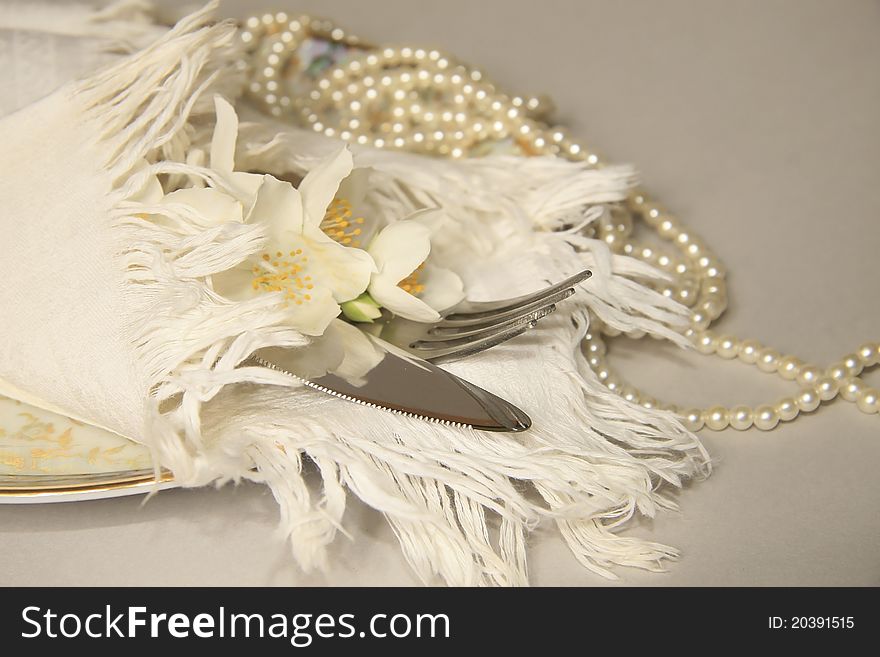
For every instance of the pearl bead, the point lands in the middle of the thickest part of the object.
(712, 307)
(808, 401)
(727, 347)
(826, 388)
(748, 351)
(869, 353)
(768, 360)
(720, 299)
(787, 409)
(638, 199)
(652, 212)
(700, 320)
(837, 371)
(667, 227)
(853, 364)
(716, 418)
(693, 419)
(869, 401)
(808, 375)
(741, 418)
(705, 342)
(766, 417)
(714, 271)
(788, 367)
(851, 389)
(630, 394)
(649, 402)
(597, 348)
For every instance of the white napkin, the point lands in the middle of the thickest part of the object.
(111, 318)
(44, 44)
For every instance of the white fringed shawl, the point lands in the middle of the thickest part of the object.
(112, 320)
(46, 43)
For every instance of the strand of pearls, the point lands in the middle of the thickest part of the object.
(816, 384)
(422, 100)
(404, 98)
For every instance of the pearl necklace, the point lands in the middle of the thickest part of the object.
(422, 100)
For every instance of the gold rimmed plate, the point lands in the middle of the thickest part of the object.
(46, 457)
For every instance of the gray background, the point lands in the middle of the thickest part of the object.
(756, 122)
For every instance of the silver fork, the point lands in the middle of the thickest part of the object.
(473, 326)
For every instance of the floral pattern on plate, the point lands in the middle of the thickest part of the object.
(34, 442)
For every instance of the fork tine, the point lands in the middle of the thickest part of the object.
(442, 332)
(455, 349)
(492, 335)
(461, 320)
(473, 309)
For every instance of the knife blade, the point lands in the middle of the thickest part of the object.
(399, 382)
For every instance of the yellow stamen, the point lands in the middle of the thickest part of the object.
(411, 284)
(282, 276)
(338, 222)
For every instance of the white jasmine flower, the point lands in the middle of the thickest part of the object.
(240, 187)
(405, 282)
(312, 273)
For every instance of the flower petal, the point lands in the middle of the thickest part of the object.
(234, 283)
(312, 317)
(354, 189)
(443, 287)
(225, 136)
(151, 191)
(361, 354)
(214, 206)
(245, 186)
(321, 183)
(342, 350)
(322, 355)
(400, 248)
(345, 270)
(278, 205)
(386, 293)
(355, 185)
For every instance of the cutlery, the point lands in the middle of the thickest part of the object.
(473, 326)
(407, 385)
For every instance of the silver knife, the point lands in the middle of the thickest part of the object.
(399, 382)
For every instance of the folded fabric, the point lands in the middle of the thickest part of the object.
(116, 317)
(45, 44)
